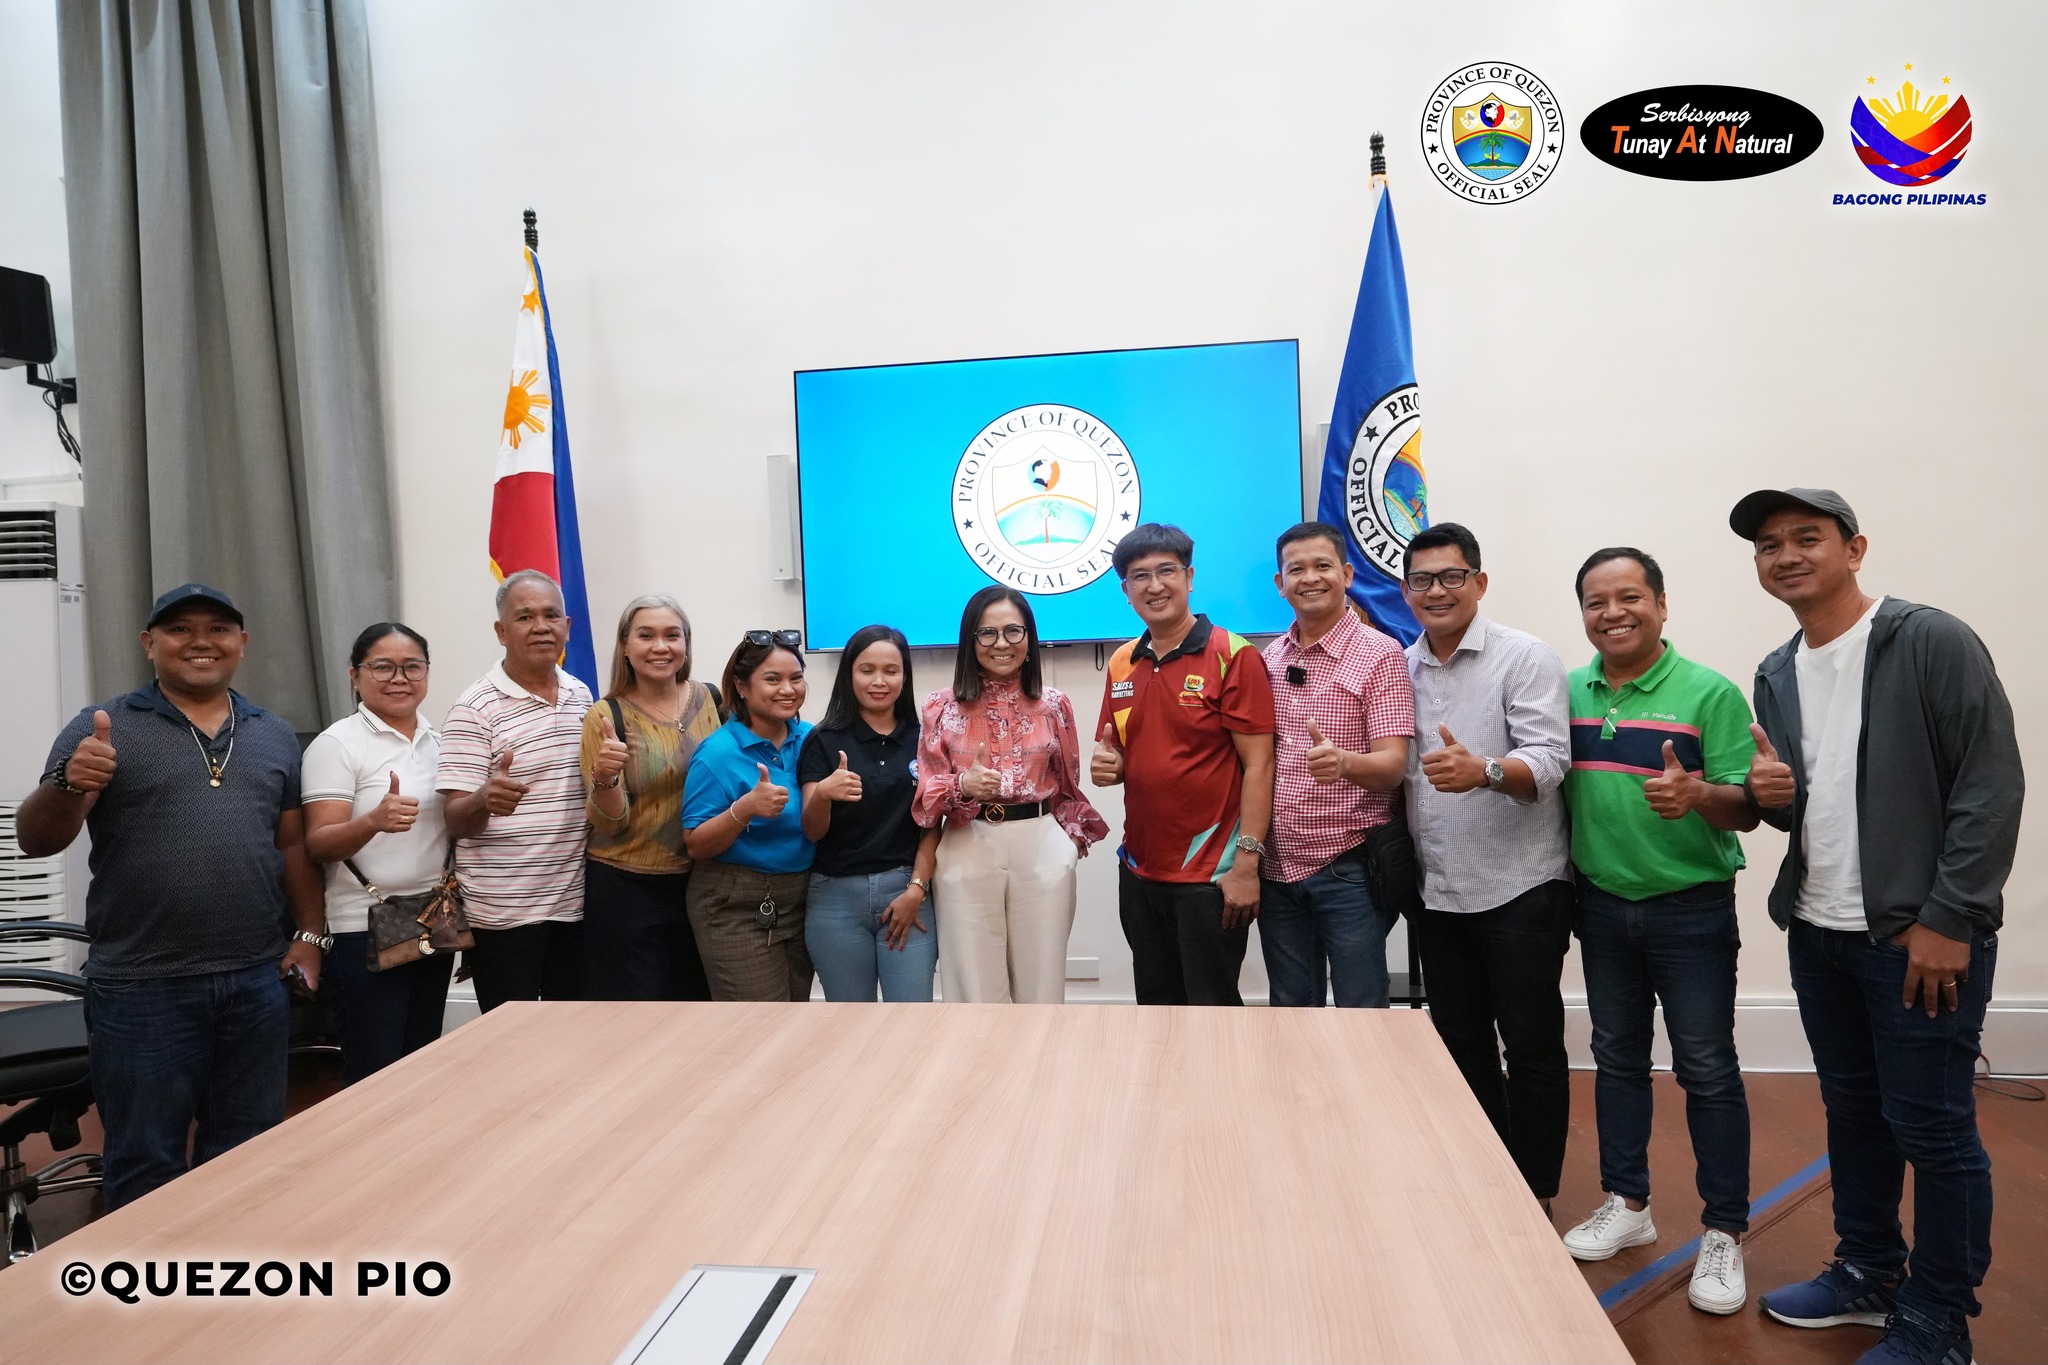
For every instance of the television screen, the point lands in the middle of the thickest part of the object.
(918, 485)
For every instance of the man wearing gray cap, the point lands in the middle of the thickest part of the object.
(1887, 753)
(191, 794)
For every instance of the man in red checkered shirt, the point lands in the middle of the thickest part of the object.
(1344, 713)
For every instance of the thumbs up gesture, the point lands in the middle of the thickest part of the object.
(1673, 793)
(1453, 768)
(501, 794)
(91, 765)
(1325, 760)
(611, 752)
(1770, 778)
(1106, 764)
(842, 783)
(396, 813)
(981, 782)
(764, 800)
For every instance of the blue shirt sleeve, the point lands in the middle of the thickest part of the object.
(707, 788)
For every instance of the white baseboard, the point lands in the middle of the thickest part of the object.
(1768, 1035)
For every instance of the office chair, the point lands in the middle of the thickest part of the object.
(44, 1068)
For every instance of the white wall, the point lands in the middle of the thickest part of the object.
(32, 238)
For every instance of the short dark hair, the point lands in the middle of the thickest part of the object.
(372, 634)
(1653, 572)
(967, 669)
(1443, 535)
(1307, 530)
(1151, 538)
(740, 669)
(844, 708)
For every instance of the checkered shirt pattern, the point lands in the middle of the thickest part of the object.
(1357, 691)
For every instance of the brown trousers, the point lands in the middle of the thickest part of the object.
(742, 960)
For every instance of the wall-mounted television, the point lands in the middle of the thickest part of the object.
(920, 484)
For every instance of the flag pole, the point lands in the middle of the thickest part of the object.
(533, 231)
(1378, 143)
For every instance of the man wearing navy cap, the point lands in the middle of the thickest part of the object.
(198, 862)
(1886, 750)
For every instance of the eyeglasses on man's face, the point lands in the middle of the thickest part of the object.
(1167, 575)
(1420, 582)
(1012, 634)
(384, 670)
(788, 639)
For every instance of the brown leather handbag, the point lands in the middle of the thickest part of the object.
(407, 928)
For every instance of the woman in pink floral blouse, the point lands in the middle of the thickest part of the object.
(999, 764)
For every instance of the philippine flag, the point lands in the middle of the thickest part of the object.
(533, 501)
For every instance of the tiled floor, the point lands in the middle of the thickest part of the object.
(1792, 1242)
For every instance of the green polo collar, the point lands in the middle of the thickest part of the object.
(1658, 672)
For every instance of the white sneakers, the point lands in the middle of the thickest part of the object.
(1614, 1225)
(1718, 1285)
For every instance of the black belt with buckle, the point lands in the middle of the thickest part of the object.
(996, 813)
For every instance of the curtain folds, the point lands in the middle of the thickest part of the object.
(219, 164)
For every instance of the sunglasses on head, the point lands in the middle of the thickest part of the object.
(788, 639)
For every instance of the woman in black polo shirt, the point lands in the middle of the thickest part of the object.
(867, 919)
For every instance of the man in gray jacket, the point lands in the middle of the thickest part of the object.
(1885, 748)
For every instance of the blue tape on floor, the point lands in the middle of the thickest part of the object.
(1612, 1297)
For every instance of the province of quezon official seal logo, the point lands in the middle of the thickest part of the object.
(1492, 132)
(1386, 498)
(1042, 495)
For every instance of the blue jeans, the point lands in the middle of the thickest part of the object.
(849, 947)
(1897, 1088)
(1326, 925)
(1678, 949)
(167, 1050)
(384, 1015)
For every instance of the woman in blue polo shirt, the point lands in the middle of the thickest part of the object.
(745, 834)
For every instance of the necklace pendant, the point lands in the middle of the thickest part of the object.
(213, 782)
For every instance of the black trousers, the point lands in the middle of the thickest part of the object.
(1496, 973)
(637, 941)
(1180, 952)
(384, 1015)
(532, 962)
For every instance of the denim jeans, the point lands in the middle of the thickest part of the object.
(387, 1014)
(170, 1049)
(1495, 972)
(1326, 926)
(849, 946)
(1679, 950)
(1897, 1088)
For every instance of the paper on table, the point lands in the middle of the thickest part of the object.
(719, 1315)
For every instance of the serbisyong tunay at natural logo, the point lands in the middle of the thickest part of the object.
(1701, 132)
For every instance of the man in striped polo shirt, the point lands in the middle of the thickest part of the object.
(1660, 749)
(1187, 729)
(512, 774)
(1345, 711)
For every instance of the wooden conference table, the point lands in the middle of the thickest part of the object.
(971, 1183)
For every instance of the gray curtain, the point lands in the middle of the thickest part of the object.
(219, 179)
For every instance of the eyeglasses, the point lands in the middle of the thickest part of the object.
(1419, 582)
(1168, 574)
(384, 670)
(788, 639)
(1013, 634)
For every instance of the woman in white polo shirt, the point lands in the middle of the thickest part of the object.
(368, 790)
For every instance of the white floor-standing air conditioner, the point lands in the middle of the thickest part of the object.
(42, 620)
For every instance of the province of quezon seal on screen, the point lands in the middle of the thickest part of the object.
(1492, 132)
(1042, 495)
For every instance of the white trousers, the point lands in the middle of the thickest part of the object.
(1006, 896)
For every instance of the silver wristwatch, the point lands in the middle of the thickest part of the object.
(1247, 844)
(321, 941)
(1496, 776)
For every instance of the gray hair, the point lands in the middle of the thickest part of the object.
(512, 580)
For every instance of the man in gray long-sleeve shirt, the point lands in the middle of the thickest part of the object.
(1490, 836)
(1888, 754)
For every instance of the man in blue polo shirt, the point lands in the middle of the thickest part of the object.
(198, 860)
(1660, 749)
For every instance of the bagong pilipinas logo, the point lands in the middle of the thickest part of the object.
(1910, 140)
(1386, 498)
(1492, 132)
(1701, 132)
(1042, 495)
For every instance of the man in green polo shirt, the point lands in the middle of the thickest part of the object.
(1660, 748)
